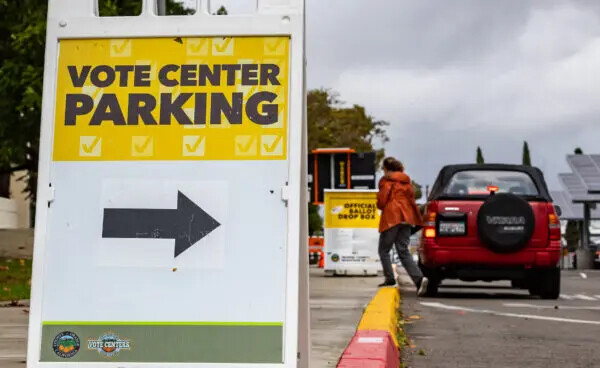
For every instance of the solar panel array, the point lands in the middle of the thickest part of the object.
(572, 184)
(587, 167)
(570, 210)
(583, 184)
(580, 186)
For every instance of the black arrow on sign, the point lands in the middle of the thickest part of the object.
(187, 224)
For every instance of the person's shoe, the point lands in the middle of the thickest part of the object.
(387, 283)
(422, 289)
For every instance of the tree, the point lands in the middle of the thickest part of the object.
(480, 159)
(22, 40)
(221, 11)
(108, 8)
(418, 190)
(526, 157)
(315, 222)
(572, 235)
(578, 151)
(22, 48)
(332, 125)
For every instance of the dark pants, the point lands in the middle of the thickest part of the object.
(398, 235)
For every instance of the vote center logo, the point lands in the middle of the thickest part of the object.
(109, 345)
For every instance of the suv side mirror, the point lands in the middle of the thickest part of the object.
(558, 210)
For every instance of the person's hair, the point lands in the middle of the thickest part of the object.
(391, 164)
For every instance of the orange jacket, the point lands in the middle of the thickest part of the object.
(396, 200)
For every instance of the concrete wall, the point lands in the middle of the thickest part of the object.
(8, 214)
(15, 211)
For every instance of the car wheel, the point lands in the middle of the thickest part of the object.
(427, 272)
(519, 284)
(433, 278)
(432, 287)
(550, 284)
(545, 283)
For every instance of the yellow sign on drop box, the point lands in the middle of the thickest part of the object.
(223, 98)
(347, 209)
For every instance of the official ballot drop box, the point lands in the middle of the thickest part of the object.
(351, 232)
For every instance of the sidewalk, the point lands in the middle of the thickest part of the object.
(13, 336)
(336, 306)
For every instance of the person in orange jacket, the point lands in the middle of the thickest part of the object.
(399, 214)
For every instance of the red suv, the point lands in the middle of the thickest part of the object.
(492, 222)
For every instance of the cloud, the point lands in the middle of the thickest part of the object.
(450, 76)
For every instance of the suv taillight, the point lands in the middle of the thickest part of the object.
(553, 225)
(429, 226)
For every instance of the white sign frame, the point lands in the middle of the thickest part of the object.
(77, 19)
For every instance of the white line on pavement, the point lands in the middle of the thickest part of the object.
(514, 315)
(567, 297)
(525, 305)
(584, 297)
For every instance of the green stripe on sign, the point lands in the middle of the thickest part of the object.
(170, 342)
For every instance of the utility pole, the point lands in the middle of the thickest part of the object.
(161, 7)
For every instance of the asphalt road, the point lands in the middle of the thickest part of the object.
(493, 325)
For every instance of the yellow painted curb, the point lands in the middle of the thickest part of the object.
(382, 313)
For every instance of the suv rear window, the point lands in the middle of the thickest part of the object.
(478, 182)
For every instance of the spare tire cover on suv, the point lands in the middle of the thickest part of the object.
(505, 223)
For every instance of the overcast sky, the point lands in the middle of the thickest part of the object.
(452, 75)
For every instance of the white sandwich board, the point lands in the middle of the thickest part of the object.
(171, 209)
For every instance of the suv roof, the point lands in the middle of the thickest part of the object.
(447, 172)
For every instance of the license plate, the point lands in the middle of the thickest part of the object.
(452, 228)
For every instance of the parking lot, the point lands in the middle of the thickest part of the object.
(492, 325)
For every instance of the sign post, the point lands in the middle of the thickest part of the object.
(172, 159)
(351, 232)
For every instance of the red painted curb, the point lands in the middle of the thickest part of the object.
(370, 349)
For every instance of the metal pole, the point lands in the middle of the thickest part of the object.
(161, 7)
(586, 225)
(585, 254)
(332, 168)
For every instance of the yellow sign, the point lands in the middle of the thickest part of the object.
(223, 98)
(351, 210)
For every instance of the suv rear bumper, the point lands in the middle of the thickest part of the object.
(433, 256)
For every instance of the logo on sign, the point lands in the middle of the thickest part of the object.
(66, 344)
(109, 345)
(337, 209)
